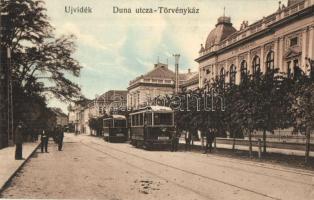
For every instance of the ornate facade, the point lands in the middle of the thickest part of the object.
(283, 40)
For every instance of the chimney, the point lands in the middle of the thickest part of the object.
(189, 70)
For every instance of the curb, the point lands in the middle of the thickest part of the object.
(5, 185)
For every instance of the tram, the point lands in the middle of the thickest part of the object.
(115, 128)
(152, 126)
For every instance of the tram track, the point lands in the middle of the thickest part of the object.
(199, 193)
(255, 172)
(295, 171)
(178, 169)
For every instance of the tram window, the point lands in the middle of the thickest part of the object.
(162, 118)
(119, 123)
(148, 118)
(107, 123)
(133, 120)
(141, 120)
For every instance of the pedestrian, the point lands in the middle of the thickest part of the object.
(60, 138)
(187, 140)
(44, 141)
(19, 141)
(174, 141)
(209, 141)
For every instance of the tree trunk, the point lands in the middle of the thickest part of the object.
(264, 141)
(307, 147)
(250, 144)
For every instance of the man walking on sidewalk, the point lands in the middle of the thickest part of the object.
(44, 141)
(19, 141)
(209, 140)
(60, 138)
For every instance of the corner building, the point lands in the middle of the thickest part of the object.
(283, 40)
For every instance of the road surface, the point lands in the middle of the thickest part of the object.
(90, 168)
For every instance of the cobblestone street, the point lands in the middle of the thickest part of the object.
(88, 167)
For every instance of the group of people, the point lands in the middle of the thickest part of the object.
(209, 135)
(58, 136)
(19, 132)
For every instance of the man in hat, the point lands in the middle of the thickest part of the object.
(19, 141)
(60, 138)
(44, 141)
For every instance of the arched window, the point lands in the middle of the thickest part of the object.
(256, 66)
(233, 73)
(243, 70)
(222, 77)
(270, 61)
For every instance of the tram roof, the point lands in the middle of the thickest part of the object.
(154, 109)
(116, 117)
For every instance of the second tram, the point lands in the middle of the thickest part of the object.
(115, 128)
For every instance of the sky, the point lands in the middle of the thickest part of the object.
(114, 48)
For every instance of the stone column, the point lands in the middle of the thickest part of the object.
(249, 63)
(281, 64)
(238, 67)
(262, 60)
(276, 53)
(311, 43)
(303, 61)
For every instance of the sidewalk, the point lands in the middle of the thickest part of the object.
(246, 148)
(9, 166)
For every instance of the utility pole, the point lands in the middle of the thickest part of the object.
(176, 57)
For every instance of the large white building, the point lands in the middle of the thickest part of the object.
(283, 40)
(160, 81)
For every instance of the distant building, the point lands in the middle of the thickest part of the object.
(160, 81)
(283, 40)
(76, 115)
(58, 117)
(82, 111)
(190, 81)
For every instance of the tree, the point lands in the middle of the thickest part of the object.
(38, 59)
(41, 63)
(303, 108)
(96, 124)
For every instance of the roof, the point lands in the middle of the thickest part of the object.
(161, 71)
(58, 112)
(154, 109)
(118, 117)
(222, 30)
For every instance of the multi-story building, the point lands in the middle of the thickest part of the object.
(160, 81)
(283, 40)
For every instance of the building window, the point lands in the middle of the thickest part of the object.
(270, 61)
(256, 66)
(222, 77)
(207, 71)
(243, 70)
(293, 41)
(233, 73)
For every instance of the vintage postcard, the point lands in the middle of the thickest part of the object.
(157, 99)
